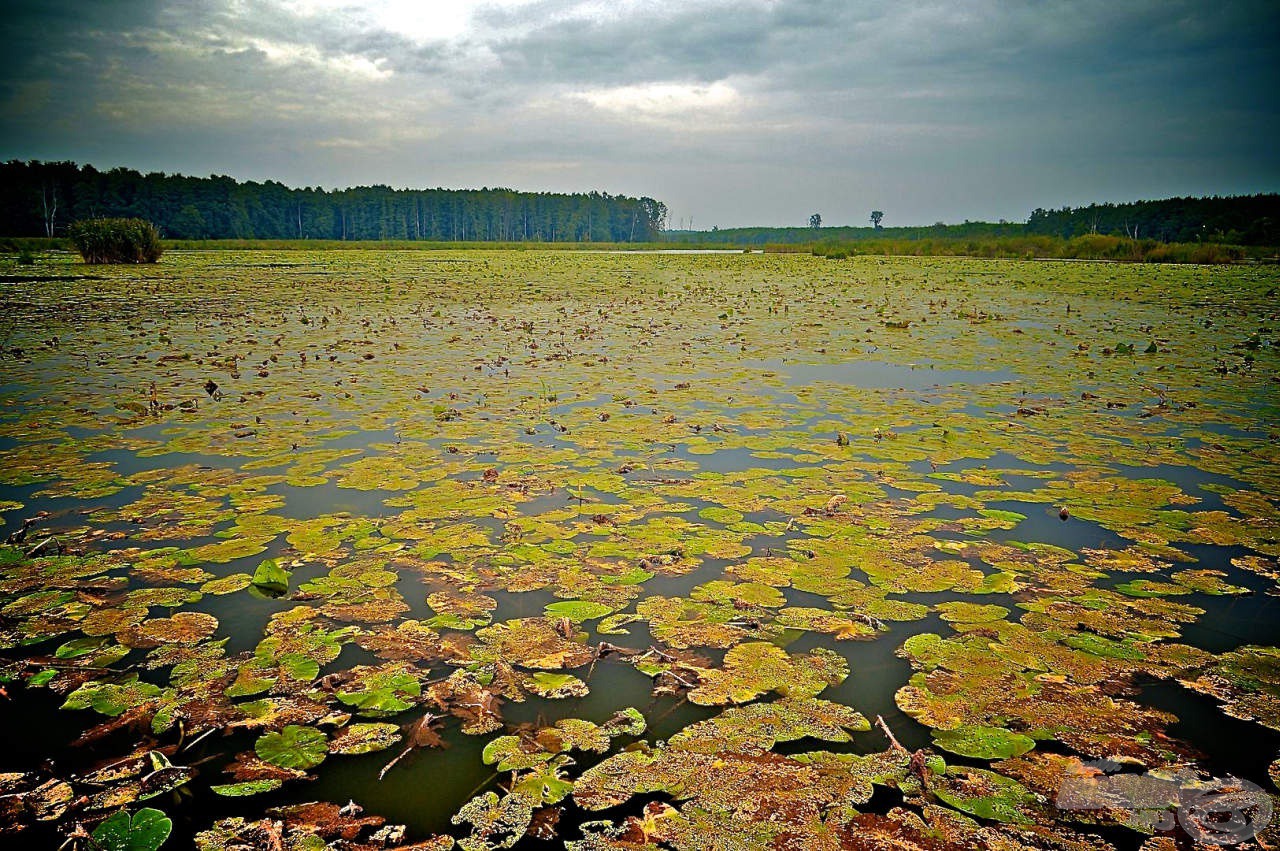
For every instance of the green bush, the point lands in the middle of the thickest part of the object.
(116, 240)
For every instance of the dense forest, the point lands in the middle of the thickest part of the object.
(43, 199)
(1241, 220)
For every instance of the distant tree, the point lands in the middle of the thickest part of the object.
(876, 217)
(815, 221)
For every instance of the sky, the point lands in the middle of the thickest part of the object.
(749, 112)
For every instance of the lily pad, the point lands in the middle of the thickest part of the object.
(577, 610)
(271, 578)
(145, 830)
(983, 742)
(364, 738)
(247, 788)
(756, 667)
(293, 747)
(985, 794)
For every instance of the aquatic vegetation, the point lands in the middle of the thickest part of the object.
(617, 550)
(145, 830)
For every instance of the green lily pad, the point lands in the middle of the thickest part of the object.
(382, 691)
(577, 610)
(983, 742)
(112, 698)
(145, 830)
(247, 788)
(78, 647)
(293, 747)
(985, 794)
(557, 686)
(271, 578)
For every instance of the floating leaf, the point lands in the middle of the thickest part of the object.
(577, 610)
(271, 578)
(557, 686)
(227, 584)
(759, 726)
(985, 794)
(247, 788)
(113, 698)
(182, 628)
(969, 613)
(753, 668)
(983, 742)
(78, 647)
(364, 738)
(544, 784)
(533, 643)
(145, 830)
(382, 691)
(293, 747)
(495, 822)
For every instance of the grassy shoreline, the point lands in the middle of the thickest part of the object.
(1091, 247)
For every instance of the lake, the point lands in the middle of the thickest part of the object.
(532, 548)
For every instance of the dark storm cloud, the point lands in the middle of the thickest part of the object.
(742, 112)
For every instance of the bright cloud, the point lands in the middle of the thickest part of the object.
(345, 64)
(662, 99)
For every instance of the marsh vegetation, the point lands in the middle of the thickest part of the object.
(116, 241)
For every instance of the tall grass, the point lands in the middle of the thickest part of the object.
(116, 240)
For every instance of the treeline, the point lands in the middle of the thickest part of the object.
(1237, 220)
(42, 199)
(1231, 220)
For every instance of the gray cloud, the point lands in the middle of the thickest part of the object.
(732, 112)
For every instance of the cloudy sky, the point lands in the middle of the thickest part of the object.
(733, 113)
